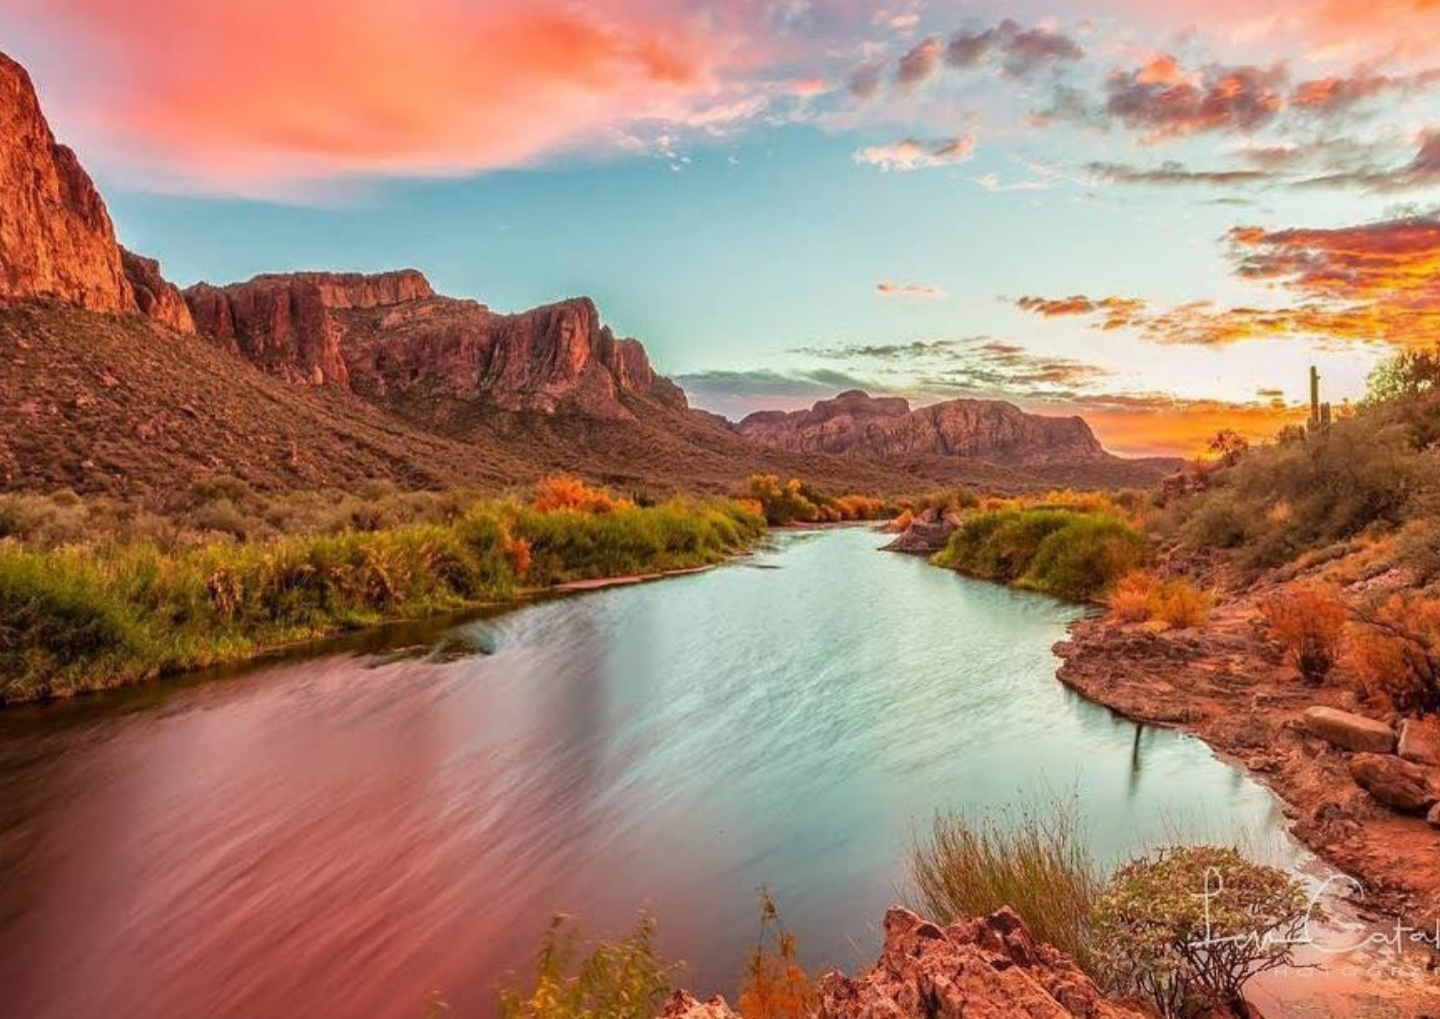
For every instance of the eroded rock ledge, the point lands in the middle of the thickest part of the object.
(988, 968)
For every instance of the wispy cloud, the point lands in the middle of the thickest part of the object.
(910, 154)
(922, 291)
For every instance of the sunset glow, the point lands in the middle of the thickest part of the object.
(1157, 216)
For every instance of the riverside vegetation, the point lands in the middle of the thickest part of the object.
(1139, 931)
(148, 597)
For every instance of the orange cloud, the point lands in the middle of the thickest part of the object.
(245, 96)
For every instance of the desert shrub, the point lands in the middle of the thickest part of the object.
(1132, 597)
(1394, 651)
(1034, 862)
(1189, 927)
(563, 493)
(1309, 625)
(1061, 552)
(1279, 501)
(775, 986)
(902, 522)
(1180, 604)
(1138, 597)
(782, 502)
(625, 979)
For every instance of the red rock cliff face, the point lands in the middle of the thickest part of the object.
(155, 296)
(286, 323)
(856, 424)
(389, 337)
(56, 239)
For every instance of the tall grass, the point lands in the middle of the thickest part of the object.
(74, 618)
(1069, 553)
(1034, 861)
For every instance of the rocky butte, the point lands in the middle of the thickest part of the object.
(857, 424)
(390, 337)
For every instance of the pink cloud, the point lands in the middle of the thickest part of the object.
(268, 93)
(911, 154)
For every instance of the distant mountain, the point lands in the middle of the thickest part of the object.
(856, 424)
(115, 381)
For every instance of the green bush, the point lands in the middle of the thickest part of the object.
(1066, 553)
(1036, 863)
(1188, 927)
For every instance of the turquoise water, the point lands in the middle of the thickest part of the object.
(344, 835)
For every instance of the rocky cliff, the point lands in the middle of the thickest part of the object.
(987, 968)
(857, 424)
(56, 239)
(390, 337)
(57, 243)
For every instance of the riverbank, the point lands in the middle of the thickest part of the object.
(89, 618)
(1228, 685)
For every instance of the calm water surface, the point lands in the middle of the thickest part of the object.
(345, 835)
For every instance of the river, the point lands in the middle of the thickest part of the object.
(347, 833)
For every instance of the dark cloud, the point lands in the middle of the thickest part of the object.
(865, 81)
(1164, 101)
(920, 63)
(1020, 52)
(1423, 171)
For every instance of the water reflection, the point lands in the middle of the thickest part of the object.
(344, 835)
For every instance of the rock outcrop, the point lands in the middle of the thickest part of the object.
(155, 296)
(857, 424)
(986, 968)
(389, 336)
(56, 239)
(928, 532)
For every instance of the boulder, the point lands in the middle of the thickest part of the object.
(1433, 818)
(1349, 731)
(1402, 785)
(927, 534)
(1420, 740)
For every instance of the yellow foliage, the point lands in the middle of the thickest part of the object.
(563, 493)
(776, 986)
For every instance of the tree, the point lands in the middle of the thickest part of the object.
(1228, 446)
(1407, 374)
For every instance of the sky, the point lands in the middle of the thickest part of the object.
(1156, 215)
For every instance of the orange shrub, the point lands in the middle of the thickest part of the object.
(903, 521)
(1179, 604)
(562, 493)
(517, 550)
(1309, 624)
(1138, 597)
(1130, 599)
(1394, 651)
(776, 987)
